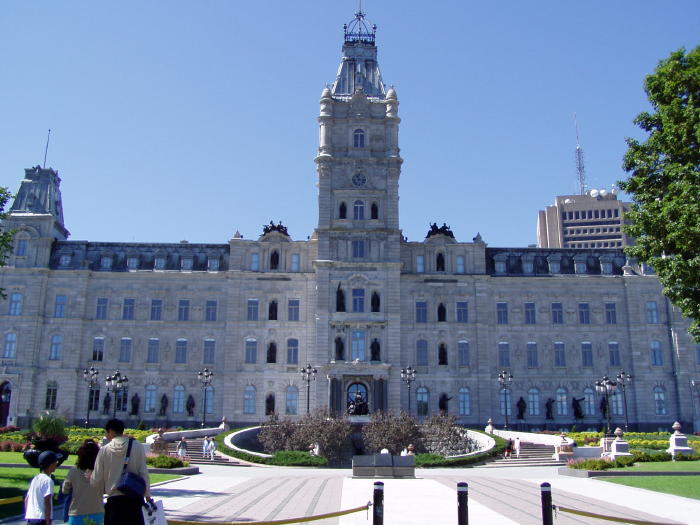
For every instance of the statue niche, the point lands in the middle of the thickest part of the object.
(375, 302)
(339, 299)
(339, 349)
(375, 350)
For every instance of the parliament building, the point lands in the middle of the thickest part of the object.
(357, 301)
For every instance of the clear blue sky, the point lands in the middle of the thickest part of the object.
(193, 119)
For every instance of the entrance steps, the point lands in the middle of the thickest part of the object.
(531, 455)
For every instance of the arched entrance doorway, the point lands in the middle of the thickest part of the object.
(5, 398)
(357, 401)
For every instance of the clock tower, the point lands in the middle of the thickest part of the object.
(358, 266)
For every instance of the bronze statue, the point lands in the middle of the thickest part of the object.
(339, 349)
(576, 405)
(163, 405)
(375, 350)
(190, 405)
(135, 404)
(106, 403)
(521, 405)
(549, 405)
(339, 299)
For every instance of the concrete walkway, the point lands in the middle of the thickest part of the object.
(496, 496)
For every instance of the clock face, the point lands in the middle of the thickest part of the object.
(359, 179)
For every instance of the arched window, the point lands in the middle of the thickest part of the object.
(422, 401)
(422, 352)
(357, 400)
(533, 402)
(270, 404)
(441, 313)
(358, 138)
(616, 403)
(440, 262)
(375, 302)
(272, 311)
(505, 398)
(655, 356)
(292, 351)
(9, 350)
(271, 353)
(659, 401)
(249, 400)
(588, 402)
(274, 260)
(209, 405)
(358, 210)
(465, 402)
(442, 354)
(179, 400)
(374, 211)
(342, 211)
(291, 400)
(562, 406)
(149, 403)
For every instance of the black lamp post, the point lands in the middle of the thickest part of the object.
(308, 374)
(624, 379)
(409, 376)
(119, 385)
(205, 378)
(606, 386)
(90, 378)
(505, 379)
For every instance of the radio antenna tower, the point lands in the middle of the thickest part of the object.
(580, 169)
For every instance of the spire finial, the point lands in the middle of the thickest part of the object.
(46, 151)
(358, 30)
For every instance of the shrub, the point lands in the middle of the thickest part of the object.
(8, 428)
(441, 435)
(332, 434)
(392, 431)
(297, 458)
(591, 464)
(163, 461)
(50, 426)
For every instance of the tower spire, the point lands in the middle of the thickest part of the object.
(359, 70)
(580, 168)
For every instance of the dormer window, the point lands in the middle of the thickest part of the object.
(358, 138)
(213, 264)
(159, 263)
(500, 267)
(106, 262)
(65, 260)
(186, 264)
(132, 263)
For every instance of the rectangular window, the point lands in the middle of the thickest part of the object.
(358, 249)
(22, 247)
(101, 308)
(584, 313)
(296, 266)
(559, 354)
(557, 313)
(420, 264)
(463, 353)
(254, 262)
(292, 351)
(532, 360)
(502, 313)
(59, 308)
(213, 264)
(15, 306)
(358, 300)
(358, 345)
(586, 354)
(657, 358)
(614, 353)
(121, 400)
(51, 395)
(98, 349)
(530, 316)
(179, 400)
(462, 311)
(460, 264)
(183, 310)
(293, 310)
(422, 352)
(156, 309)
(55, 348)
(10, 347)
(652, 312)
(181, 351)
(149, 403)
(421, 312)
(209, 357)
(210, 312)
(94, 399)
(252, 314)
(128, 309)
(153, 354)
(610, 313)
(125, 350)
(251, 351)
(503, 354)
(159, 263)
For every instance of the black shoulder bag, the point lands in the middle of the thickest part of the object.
(129, 483)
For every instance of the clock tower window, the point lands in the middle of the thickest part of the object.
(359, 210)
(358, 138)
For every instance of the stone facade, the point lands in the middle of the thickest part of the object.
(357, 301)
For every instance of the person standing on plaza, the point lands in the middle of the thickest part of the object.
(516, 447)
(120, 509)
(205, 446)
(212, 448)
(86, 501)
(38, 507)
(182, 448)
(509, 449)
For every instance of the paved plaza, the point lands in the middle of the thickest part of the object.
(509, 495)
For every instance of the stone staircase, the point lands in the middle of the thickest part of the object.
(531, 455)
(196, 456)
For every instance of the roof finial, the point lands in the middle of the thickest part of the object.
(358, 30)
(46, 151)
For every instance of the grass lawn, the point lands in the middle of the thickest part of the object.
(16, 457)
(686, 486)
(15, 481)
(666, 466)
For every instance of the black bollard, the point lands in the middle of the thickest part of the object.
(378, 506)
(546, 491)
(462, 503)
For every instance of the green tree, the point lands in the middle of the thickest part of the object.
(6, 236)
(665, 181)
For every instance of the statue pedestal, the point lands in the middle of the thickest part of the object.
(678, 445)
(620, 448)
(359, 419)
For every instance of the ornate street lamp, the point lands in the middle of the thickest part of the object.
(119, 385)
(90, 378)
(623, 380)
(408, 375)
(505, 379)
(205, 378)
(308, 374)
(605, 386)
